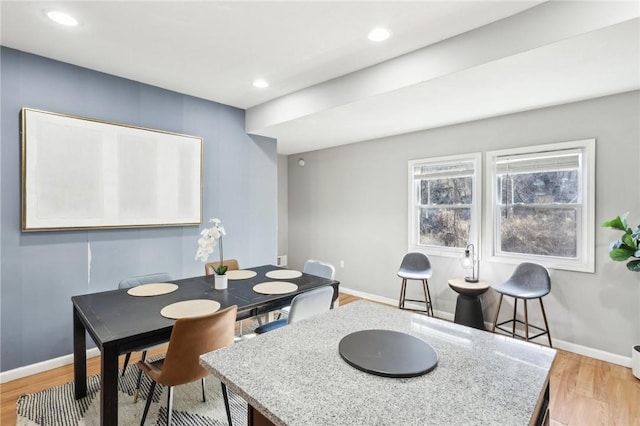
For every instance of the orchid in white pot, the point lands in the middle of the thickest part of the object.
(209, 237)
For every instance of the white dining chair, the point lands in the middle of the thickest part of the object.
(303, 306)
(317, 268)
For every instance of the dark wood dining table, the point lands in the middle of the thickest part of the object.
(119, 323)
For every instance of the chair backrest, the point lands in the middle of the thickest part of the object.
(531, 279)
(231, 264)
(144, 279)
(415, 263)
(192, 337)
(310, 303)
(320, 269)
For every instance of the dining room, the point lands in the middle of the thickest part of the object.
(333, 166)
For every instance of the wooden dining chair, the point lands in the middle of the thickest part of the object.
(231, 264)
(160, 277)
(190, 338)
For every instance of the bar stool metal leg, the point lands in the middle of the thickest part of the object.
(495, 319)
(515, 310)
(403, 289)
(428, 298)
(544, 316)
(526, 321)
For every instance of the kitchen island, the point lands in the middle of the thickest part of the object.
(295, 375)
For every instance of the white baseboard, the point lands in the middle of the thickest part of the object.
(592, 353)
(557, 344)
(28, 370)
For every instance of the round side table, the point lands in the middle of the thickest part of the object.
(468, 305)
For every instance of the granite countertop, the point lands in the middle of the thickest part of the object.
(295, 375)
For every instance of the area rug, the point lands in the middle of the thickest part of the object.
(57, 406)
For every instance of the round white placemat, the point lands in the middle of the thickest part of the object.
(241, 274)
(152, 289)
(283, 274)
(190, 308)
(275, 287)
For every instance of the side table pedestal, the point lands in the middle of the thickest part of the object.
(468, 305)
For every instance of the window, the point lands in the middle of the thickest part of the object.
(443, 204)
(542, 205)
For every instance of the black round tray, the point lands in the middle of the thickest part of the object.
(388, 353)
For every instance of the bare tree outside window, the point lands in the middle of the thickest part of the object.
(445, 212)
(539, 210)
(444, 206)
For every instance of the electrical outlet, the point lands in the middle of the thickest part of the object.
(342, 263)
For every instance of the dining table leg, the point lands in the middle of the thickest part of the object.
(109, 388)
(79, 356)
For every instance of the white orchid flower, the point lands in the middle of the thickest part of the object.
(207, 242)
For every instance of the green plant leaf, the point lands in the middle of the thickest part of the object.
(620, 222)
(630, 241)
(222, 269)
(634, 266)
(620, 254)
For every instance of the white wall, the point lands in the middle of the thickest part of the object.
(350, 203)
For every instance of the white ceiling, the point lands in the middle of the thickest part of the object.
(329, 84)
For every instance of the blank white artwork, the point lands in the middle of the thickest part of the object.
(137, 177)
(80, 173)
(69, 173)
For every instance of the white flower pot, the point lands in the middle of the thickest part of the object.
(635, 361)
(221, 282)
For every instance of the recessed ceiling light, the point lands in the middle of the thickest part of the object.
(379, 34)
(261, 83)
(62, 18)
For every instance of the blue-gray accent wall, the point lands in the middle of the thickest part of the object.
(40, 271)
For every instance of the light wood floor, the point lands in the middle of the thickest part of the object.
(584, 391)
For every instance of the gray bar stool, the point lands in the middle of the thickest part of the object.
(528, 281)
(415, 266)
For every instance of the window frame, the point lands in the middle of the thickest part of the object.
(585, 256)
(476, 205)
